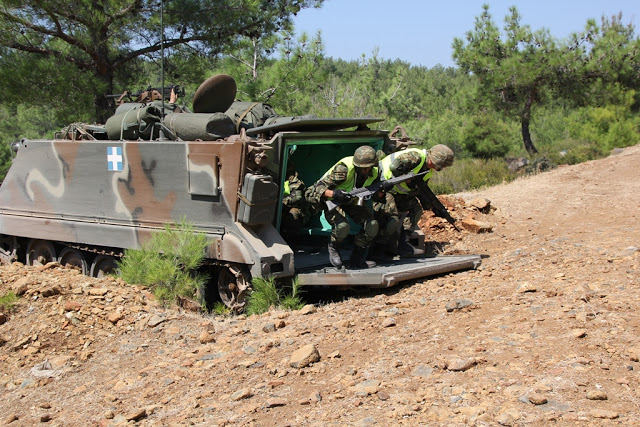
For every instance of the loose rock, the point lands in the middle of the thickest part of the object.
(604, 413)
(304, 356)
(243, 393)
(458, 304)
(596, 395)
(537, 399)
(388, 322)
(275, 401)
(307, 309)
(457, 365)
(206, 337)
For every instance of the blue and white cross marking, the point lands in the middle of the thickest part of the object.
(114, 158)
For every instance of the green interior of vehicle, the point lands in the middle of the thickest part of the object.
(312, 159)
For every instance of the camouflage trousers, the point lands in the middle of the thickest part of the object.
(389, 212)
(388, 217)
(409, 203)
(362, 215)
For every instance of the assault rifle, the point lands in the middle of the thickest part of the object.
(365, 193)
(428, 200)
(149, 94)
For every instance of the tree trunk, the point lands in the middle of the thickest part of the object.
(103, 108)
(104, 85)
(526, 116)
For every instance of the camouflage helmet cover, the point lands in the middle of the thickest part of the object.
(441, 156)
(365, 157)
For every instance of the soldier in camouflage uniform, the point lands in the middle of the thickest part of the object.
(359, 170)
(295, 210)
(404, 195)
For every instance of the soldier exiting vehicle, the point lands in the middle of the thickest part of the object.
(405, 194)
(359, 170)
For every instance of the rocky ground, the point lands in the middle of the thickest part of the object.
(544, 332)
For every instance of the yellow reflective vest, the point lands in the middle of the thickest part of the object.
(350, 182)
(385, 169)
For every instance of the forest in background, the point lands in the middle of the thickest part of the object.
(516, 91)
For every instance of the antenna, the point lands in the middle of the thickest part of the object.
(162, 56)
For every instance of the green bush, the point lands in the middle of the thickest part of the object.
(265, 295)
(468, 174)
(570, 151)
(486, 136)
(168, 262)
(8, 300)
(606, 128)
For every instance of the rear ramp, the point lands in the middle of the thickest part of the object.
(387, 275)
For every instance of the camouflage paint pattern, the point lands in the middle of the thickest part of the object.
(75, 192)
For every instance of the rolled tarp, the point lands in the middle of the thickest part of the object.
(136, 123)
(203, 126)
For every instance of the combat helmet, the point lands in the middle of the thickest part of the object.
(365, 157)
(441, 156)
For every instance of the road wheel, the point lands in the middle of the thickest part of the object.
(233, 285)
(8, 249)
(40, 252)
(74, 258)
(103, 265)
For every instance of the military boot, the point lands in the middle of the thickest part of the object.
(405, 248)
(358, 260)
(334, 255)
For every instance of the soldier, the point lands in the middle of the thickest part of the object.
(295, 211)
(404, 194)
(359, 170)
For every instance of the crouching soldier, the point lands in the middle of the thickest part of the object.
(359, 170)
(405, 194)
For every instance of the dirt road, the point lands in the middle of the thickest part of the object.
(545, 332)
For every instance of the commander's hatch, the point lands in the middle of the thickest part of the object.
(314, 270)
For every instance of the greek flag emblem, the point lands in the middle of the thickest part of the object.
(114, 158)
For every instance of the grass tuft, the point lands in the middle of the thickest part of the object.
(8, 301)
(265, 295)
(168, 263)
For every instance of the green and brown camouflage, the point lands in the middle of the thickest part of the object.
(85, 196)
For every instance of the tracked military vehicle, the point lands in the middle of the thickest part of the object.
(95, 190)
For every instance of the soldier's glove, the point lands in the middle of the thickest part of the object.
(340, 196)
(386, 186)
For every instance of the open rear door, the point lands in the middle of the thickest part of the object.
(385, 275)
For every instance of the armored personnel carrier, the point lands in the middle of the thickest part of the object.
(95, 190)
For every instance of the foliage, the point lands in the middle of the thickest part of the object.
(168, 262)
(486, 136)
(7, 301)
(106, 40)
(468, 174)
(220, 309)
(524, 67)
(287, 82)
(571, 151)
(265, 295)
(609, 126)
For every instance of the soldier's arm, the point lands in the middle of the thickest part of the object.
(337, 176)
(296, 195)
